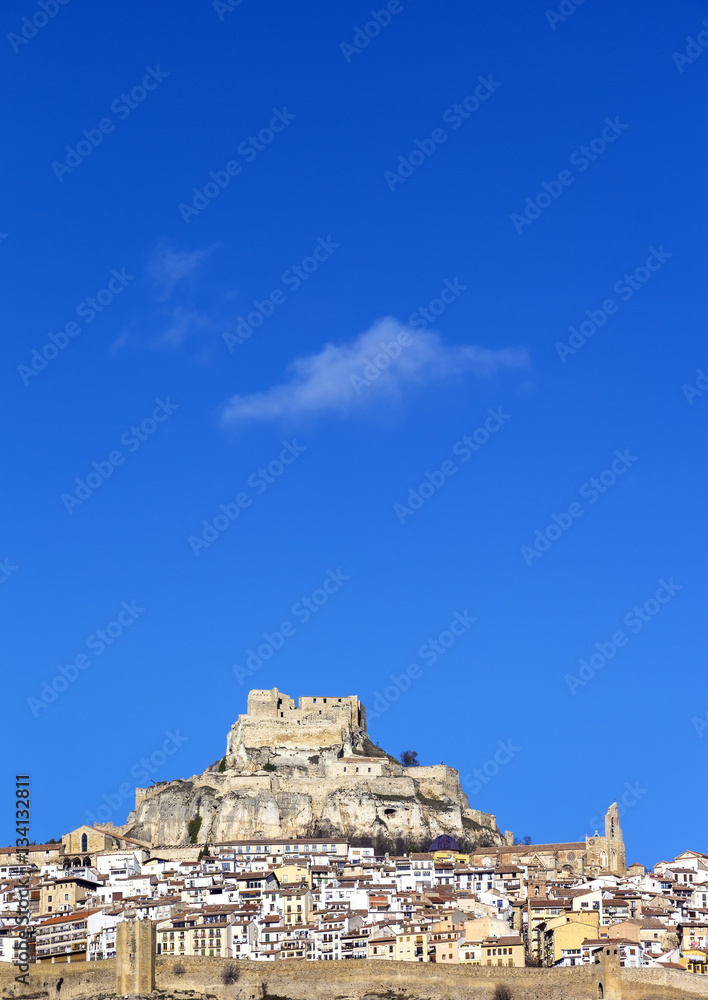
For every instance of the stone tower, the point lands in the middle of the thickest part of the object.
(135, 957)
(607, 980)
(606, 855)
(617, 859)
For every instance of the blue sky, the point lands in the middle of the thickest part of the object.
(285, 309)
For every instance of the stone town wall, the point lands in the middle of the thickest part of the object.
(662, 984)
(355, 980)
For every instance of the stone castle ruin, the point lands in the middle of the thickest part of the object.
(308, 768)
(274, 720)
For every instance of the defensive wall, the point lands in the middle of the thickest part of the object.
(349, 980)
(274, 719)
(273, 704)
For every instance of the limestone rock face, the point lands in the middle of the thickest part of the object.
(307, 769)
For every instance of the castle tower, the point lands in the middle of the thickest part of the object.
(135, 957)
(607, 980)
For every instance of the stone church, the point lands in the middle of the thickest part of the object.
(596, 855)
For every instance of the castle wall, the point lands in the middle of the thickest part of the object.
(257, 734)
(355, 980)
(274, 704)
(436, 780)
(274, 719)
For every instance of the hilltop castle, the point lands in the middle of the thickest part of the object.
(307, 767)
(274, 720)
(295, 768)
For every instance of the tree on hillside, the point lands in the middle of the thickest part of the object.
(409, 758)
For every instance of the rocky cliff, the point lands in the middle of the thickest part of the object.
(307, 769)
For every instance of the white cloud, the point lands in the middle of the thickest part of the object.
(178, 316)
(179, 323)
(340, 378)
(167, 268)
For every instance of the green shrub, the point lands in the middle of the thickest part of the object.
(193, 828)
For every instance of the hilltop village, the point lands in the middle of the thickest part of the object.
(215, 883)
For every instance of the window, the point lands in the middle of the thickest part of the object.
(84, 843)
